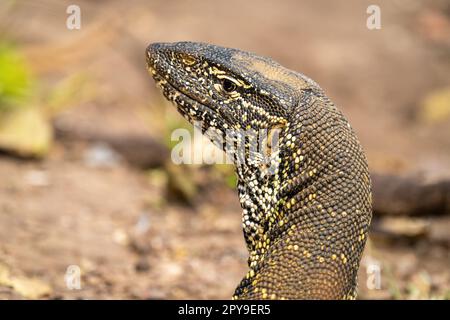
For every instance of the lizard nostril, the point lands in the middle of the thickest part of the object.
(152, 49)
(188, 59)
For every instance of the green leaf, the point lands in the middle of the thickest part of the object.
(15, 78)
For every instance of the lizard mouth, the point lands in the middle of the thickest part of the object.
(192, 109)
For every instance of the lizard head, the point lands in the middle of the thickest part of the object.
(225, 88)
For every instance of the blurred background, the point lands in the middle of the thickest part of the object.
(85, 173)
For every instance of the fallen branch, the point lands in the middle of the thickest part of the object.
(397, 195)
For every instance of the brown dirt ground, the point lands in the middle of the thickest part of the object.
(117, 223)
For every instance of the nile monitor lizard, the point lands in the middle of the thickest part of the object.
(306, 223)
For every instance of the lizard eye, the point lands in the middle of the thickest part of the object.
(228, 85)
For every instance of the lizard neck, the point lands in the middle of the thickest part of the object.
(310, 208)
(270, 193)
(261, 193)
(259, 199)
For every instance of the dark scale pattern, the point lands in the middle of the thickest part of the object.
(305, 223)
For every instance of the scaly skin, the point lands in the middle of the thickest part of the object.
(306, 222)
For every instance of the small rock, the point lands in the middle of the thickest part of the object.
(143, 224)
(120, 237)
(101, 155)
(37, 178)
(140, 245)
(29, 288)
(155, 294)
(25, 132)
(142, 265)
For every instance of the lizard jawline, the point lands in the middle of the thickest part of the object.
(189, 107)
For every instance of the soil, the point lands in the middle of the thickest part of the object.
(130, 234)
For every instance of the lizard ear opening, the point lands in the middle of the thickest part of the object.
(271, 148)
(271, 141)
